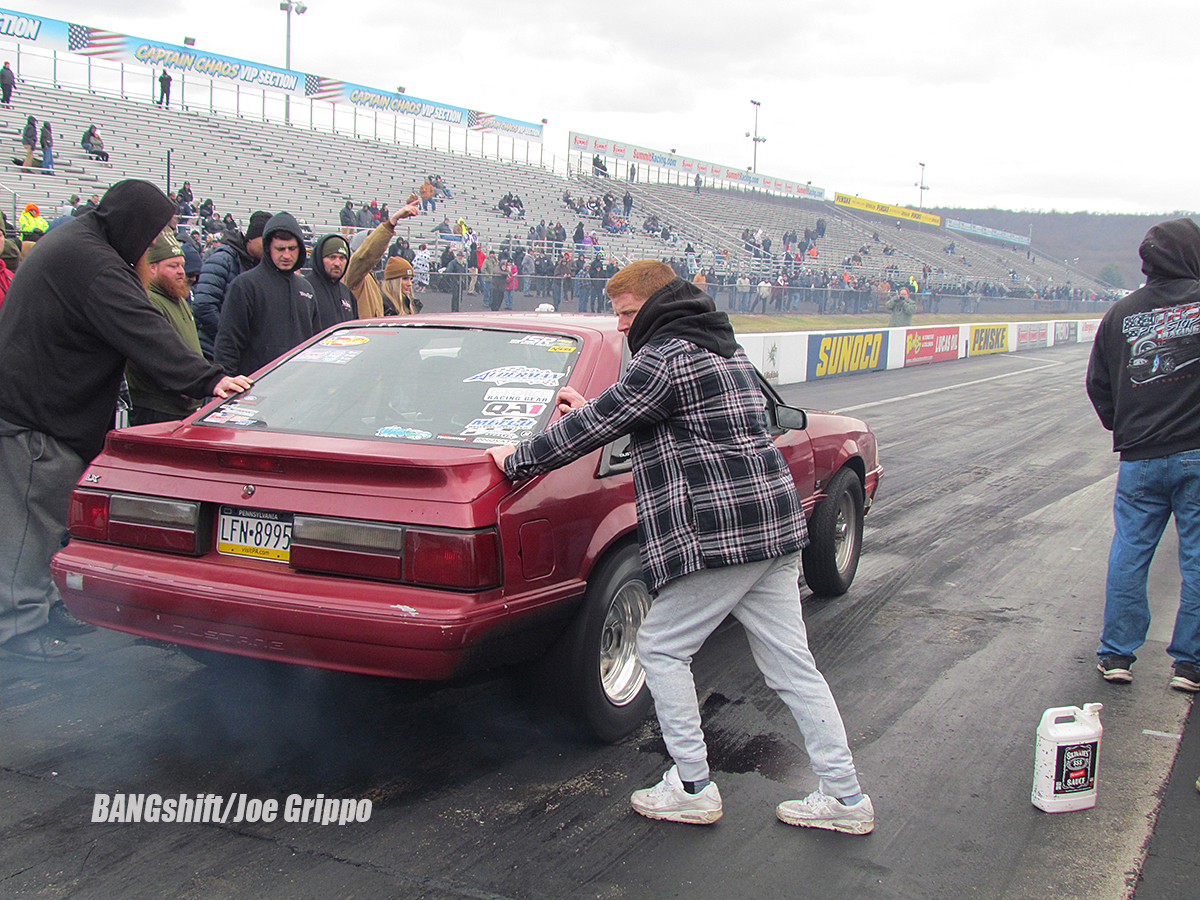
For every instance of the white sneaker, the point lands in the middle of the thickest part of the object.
(819, 810)
(668, 800)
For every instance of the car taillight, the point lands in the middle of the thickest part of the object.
(458, 560)
(462, 560)
(87, 516)
(347, 547)
(133, 520)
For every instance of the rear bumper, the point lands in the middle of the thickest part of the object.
(272, 613)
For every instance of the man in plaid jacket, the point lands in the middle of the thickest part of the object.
(721, 528)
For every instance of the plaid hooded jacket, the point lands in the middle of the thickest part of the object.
(711, 488)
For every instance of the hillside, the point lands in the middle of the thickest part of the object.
(1097, 239)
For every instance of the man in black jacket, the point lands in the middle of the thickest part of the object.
(236, 255)
(76, 311)
(271, 308)
(1144, 381)
(335, 303)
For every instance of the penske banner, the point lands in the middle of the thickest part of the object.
(988, 339)
(926, 345)
(691, 167)
(846, 354)
(56, 35)
(884, 209)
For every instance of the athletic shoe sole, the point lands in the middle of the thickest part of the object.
(1115, 676)
(844, 826)
(1183, 683)
(688, 817)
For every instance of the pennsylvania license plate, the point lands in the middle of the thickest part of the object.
(254, 532)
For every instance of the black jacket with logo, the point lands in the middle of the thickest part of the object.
(267, 312)
(1144, 374)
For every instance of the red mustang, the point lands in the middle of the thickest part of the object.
(344, 514)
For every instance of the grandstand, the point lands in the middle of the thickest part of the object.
(248, 163)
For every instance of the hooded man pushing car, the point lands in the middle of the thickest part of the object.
(76, 311)
(720, 527)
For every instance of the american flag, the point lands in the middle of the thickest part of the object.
(323, 88)
(478, 121)
(94, 42)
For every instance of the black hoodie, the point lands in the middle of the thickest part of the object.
(1144, 374)
(681, 310)
(76, 311)
(267, 312)
(335, 303)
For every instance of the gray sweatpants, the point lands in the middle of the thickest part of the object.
(37, 474)
(765, 598)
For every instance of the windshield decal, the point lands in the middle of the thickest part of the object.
(495, 441)
(344, 340)
(519, 395)
(233, 415)
(501, 426)
(561, 348)
(336, 356)
(538, 340)
(399, 431)
(514, 409)
(517, 375)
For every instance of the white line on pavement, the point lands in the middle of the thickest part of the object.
(948, 387)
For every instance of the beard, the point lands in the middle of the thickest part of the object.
(175, 288)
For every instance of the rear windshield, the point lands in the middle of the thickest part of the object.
(432, 385)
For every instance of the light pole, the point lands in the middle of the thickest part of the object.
(923, 188)
(757, 140)
(287, 6)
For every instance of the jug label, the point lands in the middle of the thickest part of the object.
(1075, 769)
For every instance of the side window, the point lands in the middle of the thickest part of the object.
(617, 458)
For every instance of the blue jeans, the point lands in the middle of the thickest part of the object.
(1148, 491)
(764, 596)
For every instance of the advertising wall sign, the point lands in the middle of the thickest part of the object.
(988, 339)
(589, 143)
(1031, 335)
(1066, 332)
(885, 209)
(53, 34)
(846, 354)
(926, 345)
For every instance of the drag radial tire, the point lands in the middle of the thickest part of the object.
(600, 679)
(835, 535)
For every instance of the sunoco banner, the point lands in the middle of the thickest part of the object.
(53, 34)
(846, 354)
(690, 166)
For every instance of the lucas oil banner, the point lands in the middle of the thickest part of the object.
(926, 345)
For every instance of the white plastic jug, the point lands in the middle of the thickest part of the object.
(1066, 758)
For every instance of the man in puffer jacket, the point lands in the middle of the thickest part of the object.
(235, 255)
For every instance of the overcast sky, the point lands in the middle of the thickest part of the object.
(1054, 104)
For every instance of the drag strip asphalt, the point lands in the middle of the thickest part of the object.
(976, 607)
